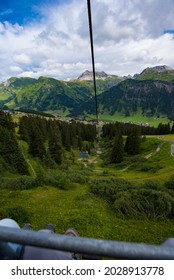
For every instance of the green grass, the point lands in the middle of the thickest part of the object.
(62, 113)
(91, 216)
(4, 95)
(10, 104)
(160, 164)
(169, 137)
(139, 119)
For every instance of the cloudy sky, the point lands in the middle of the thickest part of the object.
(51, 37)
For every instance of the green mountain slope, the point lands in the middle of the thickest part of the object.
(150, 94)
(160, 73)
(48, 94)
(148, 98)
(44, 94)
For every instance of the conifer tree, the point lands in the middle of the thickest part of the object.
(66, 140)
(36, 143)
(6, 120)
(24, 128)
(54, 143)
(11, 152)
(117, 152)
(133, 141)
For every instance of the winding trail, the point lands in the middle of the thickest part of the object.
(31, 167)
(169, 141)
(156, 151)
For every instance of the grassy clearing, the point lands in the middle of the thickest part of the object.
(91, 216)
(154, 163)
(137, 119)
(169, 137)
(4, 95)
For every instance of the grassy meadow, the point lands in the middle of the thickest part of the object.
(70, 203)
(91, 216)
(137, 119)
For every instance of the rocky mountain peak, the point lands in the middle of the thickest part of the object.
(158, 68)
(88, 75)
(157, 72)
(162, 68)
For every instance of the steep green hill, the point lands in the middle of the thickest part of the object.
(160, 73)
(147, 98)
(48, 94)
(21, 82)
(44, 94)
(151, 94)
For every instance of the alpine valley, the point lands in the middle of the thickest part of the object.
(150, 93)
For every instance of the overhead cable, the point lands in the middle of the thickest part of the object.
(93, 60)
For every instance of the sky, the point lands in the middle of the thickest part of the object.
(51, 37)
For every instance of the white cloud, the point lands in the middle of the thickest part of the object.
(128, 36)
(15, 69)
(22, 59)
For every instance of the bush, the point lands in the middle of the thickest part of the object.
(145, 203)
(149, 200)
(18, 213)
(146, 167)
(123, 204)
(170, 183)
(78, 177)
(20, 183)
(153, 185)
(60, 181)
(3, 165)
(109, 188)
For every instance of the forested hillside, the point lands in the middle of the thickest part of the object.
(147, 98)
(45, 139)
(11, 157)
(48, 94)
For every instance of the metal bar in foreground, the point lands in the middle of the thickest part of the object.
(113, 249)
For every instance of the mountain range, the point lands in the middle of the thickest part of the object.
(150, 93)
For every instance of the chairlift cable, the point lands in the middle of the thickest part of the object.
(93, 61)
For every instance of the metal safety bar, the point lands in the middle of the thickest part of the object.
(107, 248)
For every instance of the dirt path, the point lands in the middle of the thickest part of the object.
(156, 151)
(88, 161)
(31, 167)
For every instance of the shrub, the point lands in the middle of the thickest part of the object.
(109, 188)
(149, 200)
(153, 185)
(77, 177)
(60, 181)
(3, 165)
(145, 203)
(123, 204)
(170, 183)
(18, 213)
(146, 167)
(20, 183)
